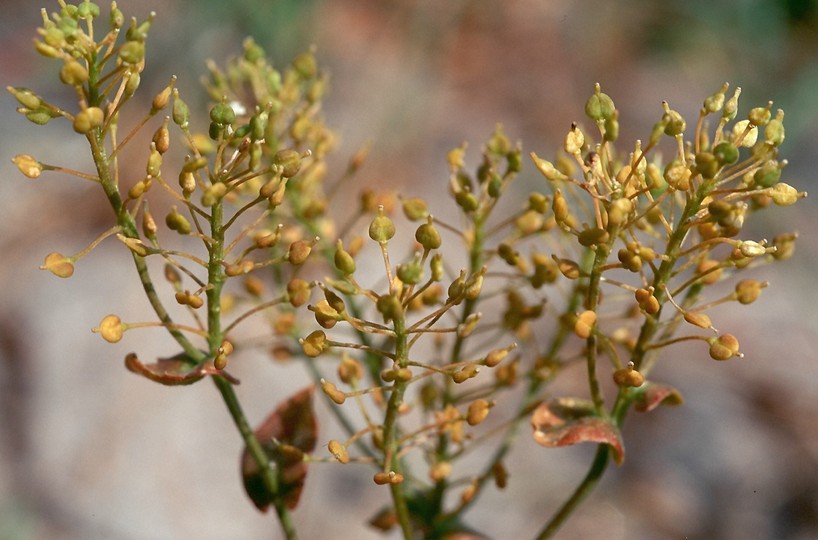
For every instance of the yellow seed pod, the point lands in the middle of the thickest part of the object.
(748, 290)
(59, 265)
(332, 392)
(110, 328)
(467, 372)
(647, 301)
(254, 286)
(27, 165)
(724, 347)
(709, 276)
(584, 325)
(478, 411)
(314, 344)
(391, 477)
(299, 251)
(213, 194)
(298, 292)
(194, 301)
(698, 319)
(440, 471)
(469, 493)
(350, 370)
(88, 119)
(628, 377)
(574, 140)
(338, 451)
(560, 207)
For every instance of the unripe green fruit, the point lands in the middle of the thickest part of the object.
(726, 153)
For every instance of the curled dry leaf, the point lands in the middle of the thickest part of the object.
(651, 395)
(568, 421)
(174, 371)
(286, 435)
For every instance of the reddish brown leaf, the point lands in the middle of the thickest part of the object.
(174, 371)
(568, 421)
(286, 435)
(654, 394)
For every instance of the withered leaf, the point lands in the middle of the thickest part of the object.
(174, 371)
(286, 435)
(569, 421)
(651, 395)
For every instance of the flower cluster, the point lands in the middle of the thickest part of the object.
(606, 265)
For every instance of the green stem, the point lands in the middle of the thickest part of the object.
(390, 428)
(587, 485)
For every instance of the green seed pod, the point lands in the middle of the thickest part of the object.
(289, 160)
(25, 97)
(726, 153)
(54, 37)
(116, 18)
(390, 307)
(381, 229)
(774, 132)
(715, 102)
(599, 106)
(154, 162)
(612, 128)
(132, 52)
(258, 125)
(181, 113)
(415, 209)
(436, 266)
(410, 273)
(344, 262)
(760, 116)
(768, 174)
(223, 114)
(214, 194)
(40, 117)
(428, 236)
(731, 105)
(132, 81)
(593, 236)
(560, 207)
(305, 65)
(457, 289)
(87, 10)
(466, 200)
(706, 164)
(177, 222)
(674, 122)
(88, 119)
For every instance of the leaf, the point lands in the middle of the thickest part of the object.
(569, 421)
(286, 435)
(651, 395)
(175, 371)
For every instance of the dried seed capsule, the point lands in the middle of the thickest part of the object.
(111, 329)
(315, 344)
(748, 290)
(467, 372)
(298, 292)
(332, 392)
(338, 451)
(478, 411)
(59, 265)
(299, 251)
(628, 377)
(724, 347)
(584, 325)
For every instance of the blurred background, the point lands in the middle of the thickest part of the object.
(90, 451)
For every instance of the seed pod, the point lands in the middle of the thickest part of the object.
(593, 236)
(599, 106)
(559, 207)
(177, 222)
(467, 372)
(390, 307)
(674, 122)
(180, 113)
(574, 140)
(391, 477)
(726, 153)
(299, 251)
(338, 451)
(478, 411)
(59, 265)
(724, 347)
(647, 302)
(213, 194)
(428, 236)
(132, 52)
(381, 229)
(698, 319)
(161, 138)
(583, 327)
(111, 329)
(298, 292)
(289, 161)
(350, 370)
(222, 113)
(73, 74)
(27, 165)
(748, 290)
(784, 194)
(628, 377)
(88, 119)
(415, 209)
(315, 343)
(760, 116)
(332, 391)
(774, 132)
